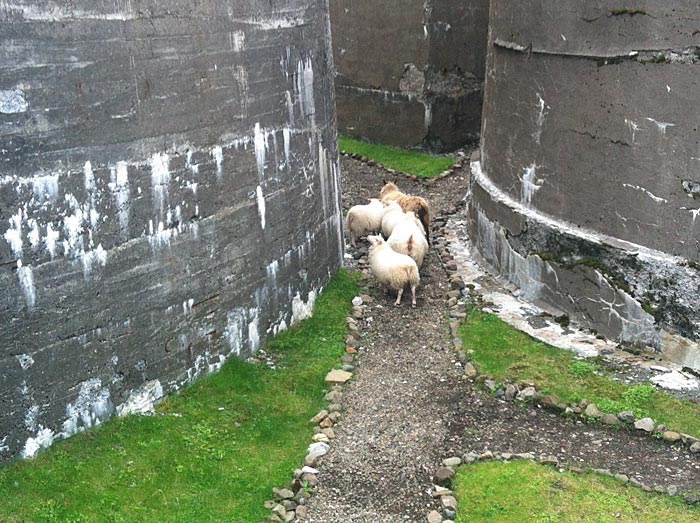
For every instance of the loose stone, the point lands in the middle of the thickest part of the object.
(289, 504)
(486, 455)
(301, 512)
(592, 410)
(609, 419)
(334, 407)
(671, 436)
(285, 493)
(321, 437)
(452, 462)
(626, 416)
(434, 517)
(290, 516)
(695, 448)
(319, 417)
(527, 393)
(549, 460)
(448, 502)
(439, 491)
(333, 396)
(329, 432)
(469, 370)
(443, 476)
(645, 424)
(338, 376)
(326, 423)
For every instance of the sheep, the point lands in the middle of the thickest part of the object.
(393, 214)
(393, 269)
(363, 219)
(408, 202)
(407, 238)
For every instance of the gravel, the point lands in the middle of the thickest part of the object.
(410, 406)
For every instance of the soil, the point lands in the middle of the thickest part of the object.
(409, 406)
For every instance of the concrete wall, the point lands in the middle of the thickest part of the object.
(586, 192)
(169, 197)
(410, 72)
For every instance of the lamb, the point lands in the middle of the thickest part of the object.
(393, 269)
(363, 219)
(407, 238)
(408, 202)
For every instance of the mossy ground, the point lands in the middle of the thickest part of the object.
(522, 491)
(510, 355)
(412, 162)
(212, 453)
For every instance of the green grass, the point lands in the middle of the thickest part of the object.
(522, 491)
(510, 355)
(412, 162)
(193, 461)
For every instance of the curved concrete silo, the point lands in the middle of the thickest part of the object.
(169, 197)
(586, 192)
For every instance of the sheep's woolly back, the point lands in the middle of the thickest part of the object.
(363, 219)
(407, 238)
(393, 215)
(393, 269)
(408, 202)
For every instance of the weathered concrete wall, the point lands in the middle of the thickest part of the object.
(169, 197)
(410, 72)
(586, 192)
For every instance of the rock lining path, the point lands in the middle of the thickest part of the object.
(409, 406)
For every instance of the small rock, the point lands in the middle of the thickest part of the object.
(319, 417)
(285, 493)
(357, 301)
(671, 436)
(334, 407)
(439, 491)
(318, 447)
(592, 410)
(338, 376)
(348, 368)
(695, 448)
(645, 424)
(621, 477)
(672, 490)
(301, 512)
(469, 370)
(458, 314)
(609, 419)
(524, 455)
(626, 416)
(449, 514)
(692, 499)
(452, 462)
(311, 459)
(321, 437)
(527, 394)
(549, 460)
(347, 358)
(490, 385)
(326, 423)
(443, 476)
(269, 504)
(333, 396)
(329, 432)
(485, 455)
(289, 504)
(310, 479)
(335, 416)
(280, 511)
(510, 392)
(290, 516)
(434, 517)
(448, 502)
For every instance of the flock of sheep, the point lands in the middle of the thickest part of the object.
(404, 221)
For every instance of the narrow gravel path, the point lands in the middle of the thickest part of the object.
(409, 405)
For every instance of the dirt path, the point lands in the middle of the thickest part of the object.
(409, 406)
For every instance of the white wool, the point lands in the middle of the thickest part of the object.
(408, 238)
(393, 214)
(363, 219)
(393, 269)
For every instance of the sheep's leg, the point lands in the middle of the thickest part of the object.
(398, 298)
(352, 240)
(413, 295)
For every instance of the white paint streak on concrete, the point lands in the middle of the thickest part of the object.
(302, 309)
(13, 235)
(4, 447)
(34, 235)
(260, 144)
(218, 154)
(633, 127)
(160, 236)
(542, 112)
(51, 239)
(529, 184)
(90, 258)
(427, 115)
(45, 187)
(55, 12)
(237, 41)
(290, 107)
(119, 185)
(305, 87)
(142, 400)
(92, 406)
(26, 282)
(13, 101)
(89, 177)
(235, 320)
(31, 418)
(286, 135)
(43, 439)
(657, 199)
(253, 335)
(261, 205)
(662, 126)
(271, 23)
(160, 178)
(25, 360)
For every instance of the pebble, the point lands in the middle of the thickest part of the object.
(592, 410)
(329, 432)
(527, 393)
(301, 512)
(443, 476)
(448, 502)
(439, 491)
(434, 517)
(671, 436)
(319, 417)
(338, 376)
(333, 396)
(452, 462)
(469, 370)
(626, 416)
(695, 448)
(609, 419)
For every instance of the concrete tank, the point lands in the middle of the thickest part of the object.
(410, 72)
(586, 192)
(169, 197)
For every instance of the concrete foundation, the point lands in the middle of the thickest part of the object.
(410, 73)
(169, 197)
(585, 194)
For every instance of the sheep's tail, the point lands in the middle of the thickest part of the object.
(412, 276)
(423, 215)
(409, 245)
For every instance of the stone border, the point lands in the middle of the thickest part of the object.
(442, 479)
(459, 163)
(288, 502)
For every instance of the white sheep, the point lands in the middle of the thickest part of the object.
(363, 219)
(393, 214)
(408, 238)
(393, 269)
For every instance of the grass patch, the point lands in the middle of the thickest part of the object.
(519, 491)
(193, 461)
(412, 162)
(510, 355)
